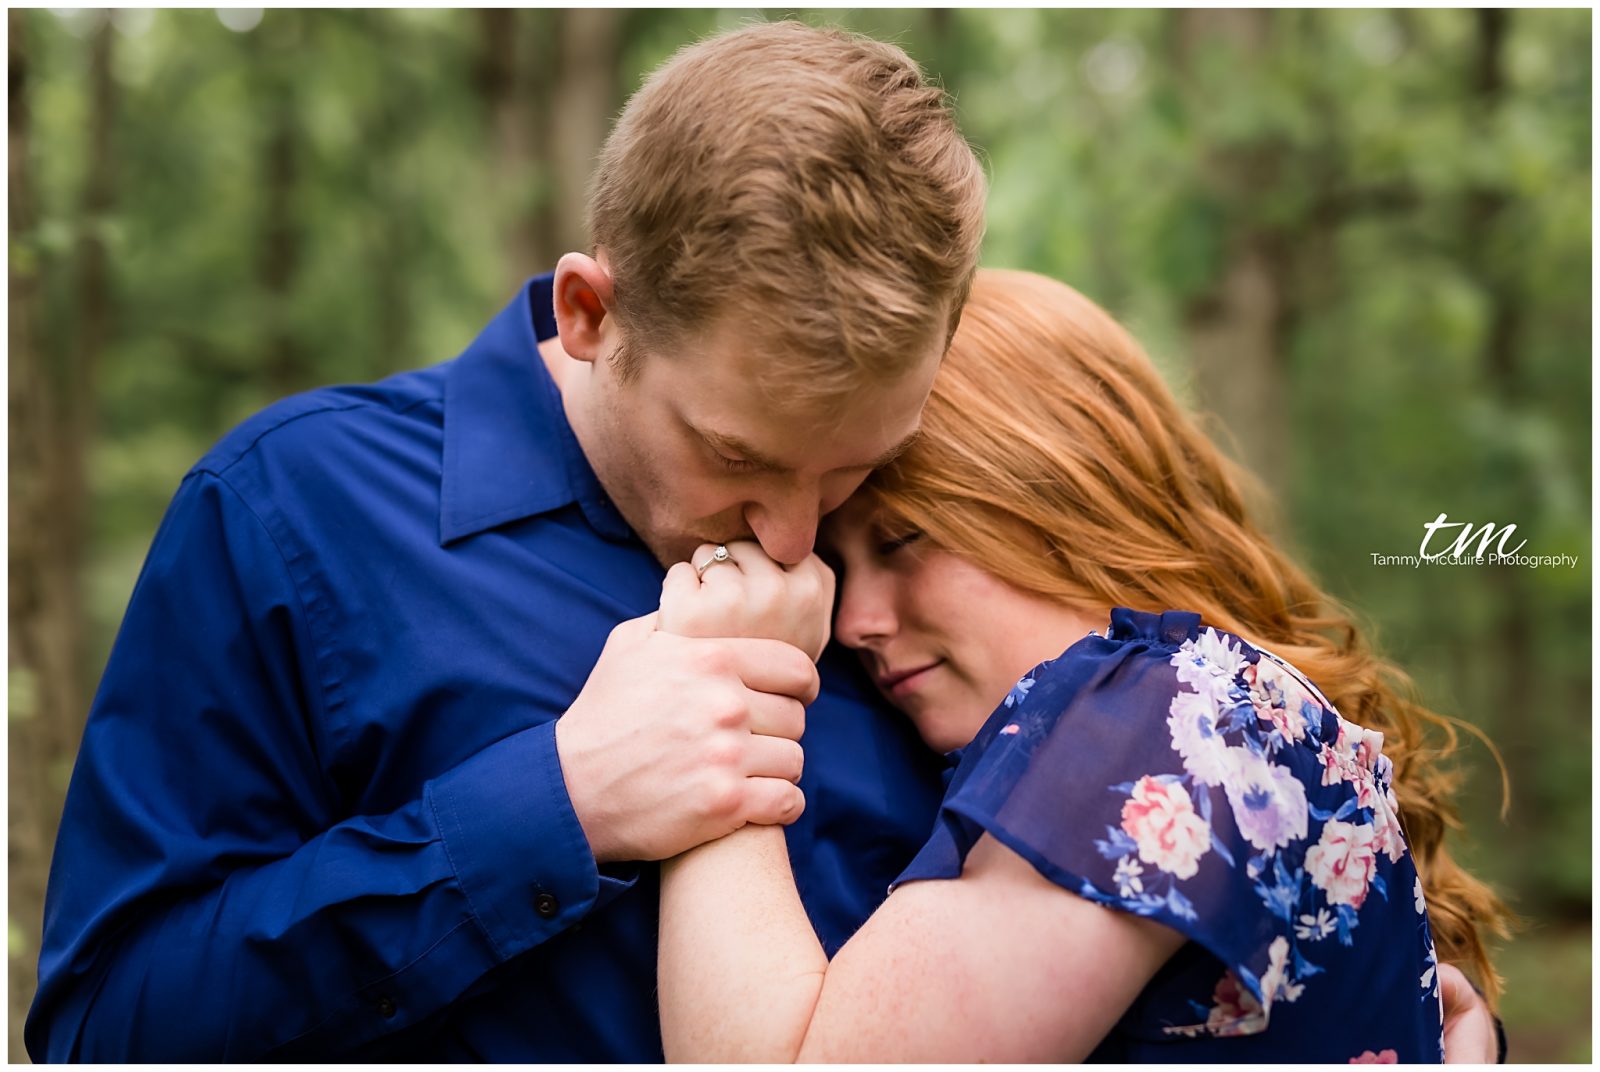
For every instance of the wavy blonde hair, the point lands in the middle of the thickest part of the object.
(1053, 454)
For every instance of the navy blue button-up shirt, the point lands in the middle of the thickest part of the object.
(318, 808)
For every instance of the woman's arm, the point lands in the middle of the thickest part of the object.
(741, 948)
(740, 966)
(998, 965)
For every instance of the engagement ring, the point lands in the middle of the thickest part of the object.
(719, 555)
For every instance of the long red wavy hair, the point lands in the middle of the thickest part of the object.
(1055, 456)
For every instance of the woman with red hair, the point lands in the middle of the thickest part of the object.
(1148, 708)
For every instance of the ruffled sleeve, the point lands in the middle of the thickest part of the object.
(1174, 772)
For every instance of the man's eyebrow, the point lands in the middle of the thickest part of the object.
(734, 445)
(895, 451)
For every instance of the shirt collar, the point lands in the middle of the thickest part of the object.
(509, 452)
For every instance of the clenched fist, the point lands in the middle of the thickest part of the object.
(750, 595)
(675, 740)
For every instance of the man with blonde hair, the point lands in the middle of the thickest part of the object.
(385, 737)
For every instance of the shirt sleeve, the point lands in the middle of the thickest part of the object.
(208, 900)
(1184, 785)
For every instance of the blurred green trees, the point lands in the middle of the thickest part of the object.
(1360, 240)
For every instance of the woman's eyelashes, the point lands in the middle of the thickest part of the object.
(890, 546)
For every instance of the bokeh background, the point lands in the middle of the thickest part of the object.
(1359, 239)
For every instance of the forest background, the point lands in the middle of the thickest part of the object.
(1359, 240)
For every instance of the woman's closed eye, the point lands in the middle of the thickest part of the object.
(890, 546)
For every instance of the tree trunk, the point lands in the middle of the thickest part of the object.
(391, 246)
(51, 412)
(1485, 205)
(508, 64)
(547, 81)
(279, 252)
(1520, 686)
(1237, 334)
(30, 404)
(1238, 328)
(581, 108)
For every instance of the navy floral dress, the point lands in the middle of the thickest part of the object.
(1174, 771)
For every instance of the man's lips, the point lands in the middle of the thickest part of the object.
(899, 681)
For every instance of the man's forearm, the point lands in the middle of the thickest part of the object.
(740, 966)
(361, 931)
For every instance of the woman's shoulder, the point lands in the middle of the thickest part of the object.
(1225, 712)
(1176, 771)
(1173, 665)
(1126, 669)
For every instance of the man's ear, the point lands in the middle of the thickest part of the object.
(583, 302)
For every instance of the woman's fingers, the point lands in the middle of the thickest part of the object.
(753, 561)
(710, 571)
(826, 581)
(763, 587)
(677, 590)
(747, 594)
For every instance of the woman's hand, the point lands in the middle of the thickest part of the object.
(1470, 1036)
(731, 920)
(749, 595)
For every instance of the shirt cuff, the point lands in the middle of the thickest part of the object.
(519, 853)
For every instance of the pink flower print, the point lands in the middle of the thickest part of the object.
(1230, 1000)
(1161, 819)
(1277, 699)
(1368, 747)
(1351, 759)
(1342, 861)
(1366, 789)
(1332, 765)
(1382, 1057)
(1288, 723)
(1277, 982)
(1234, 1010)
(1388, 837)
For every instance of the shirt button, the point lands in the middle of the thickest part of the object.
(546, 905)
(386, 1007)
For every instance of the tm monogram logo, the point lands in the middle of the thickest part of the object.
(1482, 546)
(1484, 536)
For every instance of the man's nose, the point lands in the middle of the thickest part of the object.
(786, 531)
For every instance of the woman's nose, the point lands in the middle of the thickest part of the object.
(866, 610)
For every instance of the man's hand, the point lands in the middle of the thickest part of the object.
(750, 595)
(1469, 1033)
(675, 741)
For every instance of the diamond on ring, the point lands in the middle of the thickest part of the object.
(719, 555)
